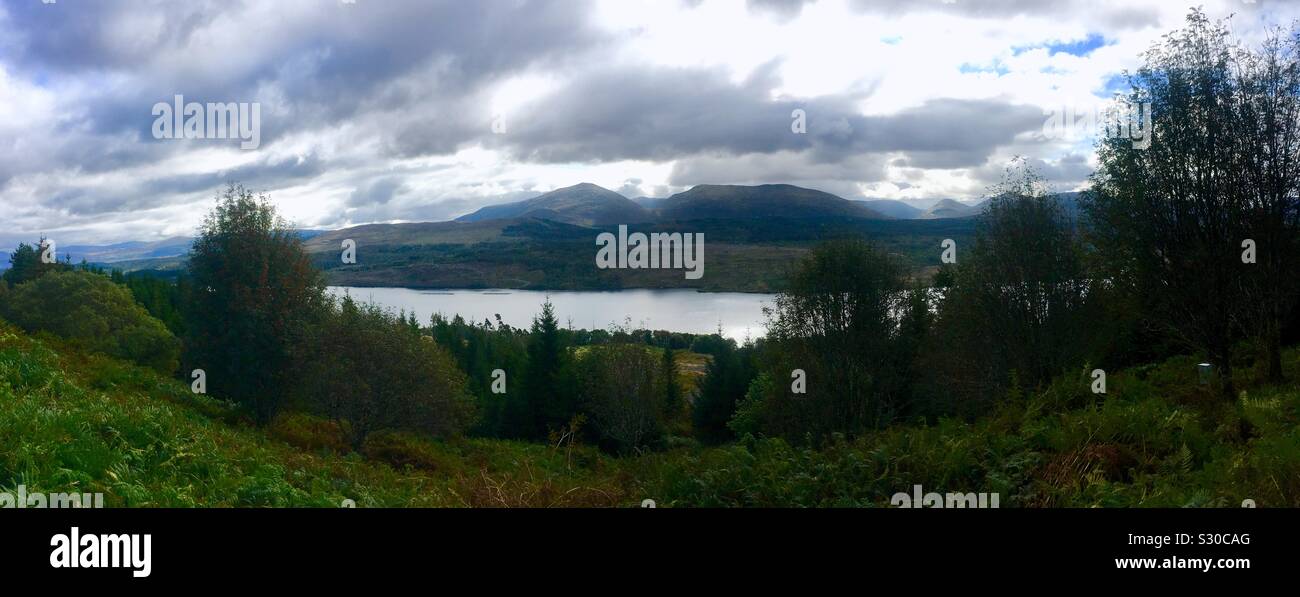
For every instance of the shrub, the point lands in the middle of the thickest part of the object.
(372, 370)
(310, 433)
(93, 313)
(622, 389)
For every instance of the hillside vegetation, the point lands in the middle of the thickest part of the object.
(87, 423)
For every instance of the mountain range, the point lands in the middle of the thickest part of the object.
(137, 253)
(544, 242)
(587, 204)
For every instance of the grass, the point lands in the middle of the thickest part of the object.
(1156, 439)
(82, 423)
(75, 422)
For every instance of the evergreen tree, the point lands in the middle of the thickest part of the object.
(25, 264)
(548, 397)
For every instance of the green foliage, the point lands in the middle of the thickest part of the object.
(370, 370)
(547, 402)
(672, 399)
(83, 422)
(1157, 439)
(479, 349)
(1017, 302)
(93, 313)
(161, 297)
(726, 379)
(77, 422)
(622, 391)
(25, 264)
(841, 323)
(253, 296)
(1169, 221)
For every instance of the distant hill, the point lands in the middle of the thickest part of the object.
(762, 201)
(166, 254)
(127, 251)
(893, 208)
(649, 202)
(951, 208)
(412, 234)
(583, 204)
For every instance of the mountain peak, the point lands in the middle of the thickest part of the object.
(583, 204)
(951, 208)
(708, 201)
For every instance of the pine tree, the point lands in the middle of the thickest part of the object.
(548, 401)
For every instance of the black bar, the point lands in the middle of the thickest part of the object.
(319, 546)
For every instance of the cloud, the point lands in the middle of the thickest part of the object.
(384, 111)
(677, 113)
(1112, 13)
(783, 9)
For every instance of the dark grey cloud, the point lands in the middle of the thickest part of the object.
(322, 63)
(409, 74)
(651, 114)
(1126, 16)
(661, 114)
(376, 192)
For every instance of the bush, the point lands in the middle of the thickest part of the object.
(310, 433)
(622, 389)
(372, 370)
(95, 314)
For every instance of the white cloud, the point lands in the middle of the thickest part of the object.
(363, 97)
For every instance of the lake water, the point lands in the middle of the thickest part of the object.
(739, 314)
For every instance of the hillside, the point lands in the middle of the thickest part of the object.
(950, 208)
(78, 422)
(582, 204)
(134, 250)
(412, 234)
(534, 254)
(893, 209)
(762, 201)
(86, 423)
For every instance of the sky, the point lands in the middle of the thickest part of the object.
(398, 110)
